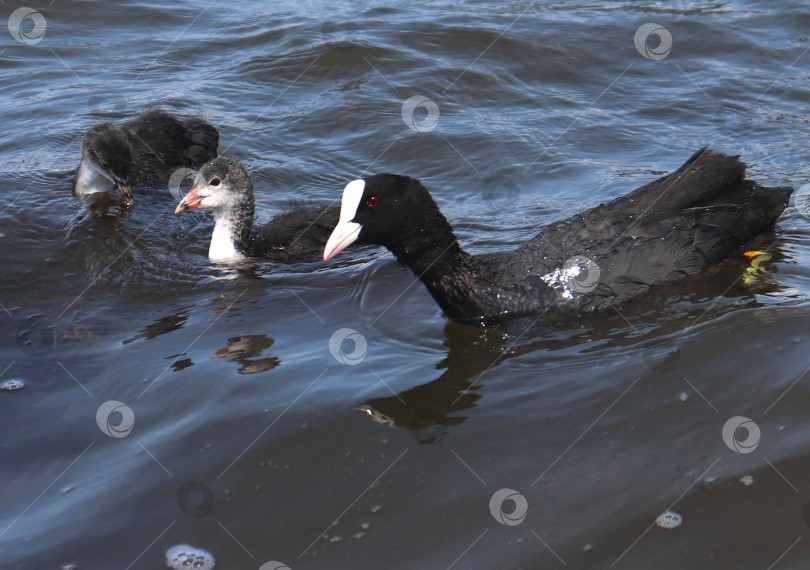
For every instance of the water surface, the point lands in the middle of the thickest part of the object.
(251, 440)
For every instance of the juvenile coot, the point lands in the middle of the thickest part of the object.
(144, 151)
(675, 226)
(224, 187)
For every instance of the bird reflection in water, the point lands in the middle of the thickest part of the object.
(432, 410)
(244, 350)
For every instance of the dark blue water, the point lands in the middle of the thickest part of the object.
(250, 439)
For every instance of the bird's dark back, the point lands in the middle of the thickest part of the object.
(673, 227)
(161, 144)
(299, 231)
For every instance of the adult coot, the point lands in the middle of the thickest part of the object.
(144, 151)
(224, 187)
(673, 227)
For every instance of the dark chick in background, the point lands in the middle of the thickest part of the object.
(143, 151)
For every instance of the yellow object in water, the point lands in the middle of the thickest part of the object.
(753, 272)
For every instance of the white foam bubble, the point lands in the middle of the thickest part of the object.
(669, 520)
(186, 557)
(747, 480)
(12, 384)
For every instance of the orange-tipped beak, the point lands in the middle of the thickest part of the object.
(125, 190)
(189, 202)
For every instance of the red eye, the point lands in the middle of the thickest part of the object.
(373, 201)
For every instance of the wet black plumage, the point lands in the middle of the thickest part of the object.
(671, 228)
(224, 187)
(146, 150)
(301, 230)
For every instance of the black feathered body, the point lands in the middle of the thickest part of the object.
(161, 144)
(301, 230)
(674, 227)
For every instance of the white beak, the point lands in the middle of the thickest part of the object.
(346, 231)
(343, 236)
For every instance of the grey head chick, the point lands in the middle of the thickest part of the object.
(223, 187)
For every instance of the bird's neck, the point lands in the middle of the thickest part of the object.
(449, 273)
(231, 236)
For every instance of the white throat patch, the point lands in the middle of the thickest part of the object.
(222, 246)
